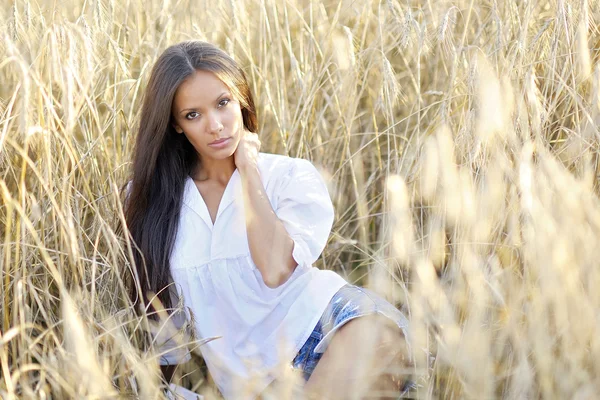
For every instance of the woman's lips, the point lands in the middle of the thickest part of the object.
(220, 143)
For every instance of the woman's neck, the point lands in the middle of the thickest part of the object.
(214, 170)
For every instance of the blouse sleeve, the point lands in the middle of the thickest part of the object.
(128, 191)
(306, 210)
(168, 336)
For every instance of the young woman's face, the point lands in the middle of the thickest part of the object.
(205, 111)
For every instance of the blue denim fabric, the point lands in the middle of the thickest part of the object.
(349, 302)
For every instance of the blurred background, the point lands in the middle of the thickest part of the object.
(459, 140)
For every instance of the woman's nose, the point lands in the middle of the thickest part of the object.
(214, 123)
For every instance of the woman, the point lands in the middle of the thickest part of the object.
(238, 231)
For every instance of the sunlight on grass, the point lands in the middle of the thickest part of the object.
(459, 141)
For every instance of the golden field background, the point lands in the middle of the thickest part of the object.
(459, 140)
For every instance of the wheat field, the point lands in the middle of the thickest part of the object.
(459, 140)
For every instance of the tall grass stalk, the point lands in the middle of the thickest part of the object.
(460, 144)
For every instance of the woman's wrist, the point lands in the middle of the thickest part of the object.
(247, 168)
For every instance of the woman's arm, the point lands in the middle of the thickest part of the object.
(270, 244)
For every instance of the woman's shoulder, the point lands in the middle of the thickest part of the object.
(274, 165)
(269, 159)
(296, 177)
(279, 164)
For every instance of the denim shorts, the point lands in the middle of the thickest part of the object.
(348, 303)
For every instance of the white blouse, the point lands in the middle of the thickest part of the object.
(259, 328)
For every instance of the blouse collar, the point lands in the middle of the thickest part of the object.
(194, 200)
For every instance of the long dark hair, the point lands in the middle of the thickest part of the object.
(162, 159)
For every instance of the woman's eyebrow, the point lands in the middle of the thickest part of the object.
(195, 108)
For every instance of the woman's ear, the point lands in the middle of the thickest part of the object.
(177, 128)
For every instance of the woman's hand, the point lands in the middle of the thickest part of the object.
(246, 154)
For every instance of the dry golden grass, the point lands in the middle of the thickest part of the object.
(460, 140)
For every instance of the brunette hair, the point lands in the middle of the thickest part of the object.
(162, 159)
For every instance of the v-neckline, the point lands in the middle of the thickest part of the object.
(226, 199)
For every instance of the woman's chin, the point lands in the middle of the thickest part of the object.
(218, 154)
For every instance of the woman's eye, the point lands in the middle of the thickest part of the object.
(192, 115)
(223, 102)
